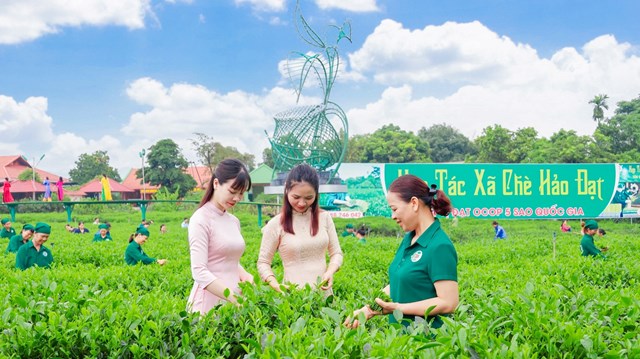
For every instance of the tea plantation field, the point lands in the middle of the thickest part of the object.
(516, 299)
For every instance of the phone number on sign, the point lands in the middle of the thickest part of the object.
(346, 214)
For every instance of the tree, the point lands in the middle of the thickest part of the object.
(27, 175)
(205, 150)
(447, 144)
(599, 102)
(166, 166)
(211, 152)
(622, 131)
(568, 147)
(524, 141)
(389, 144)
(267, 157)
(494, 145)
(90, 166)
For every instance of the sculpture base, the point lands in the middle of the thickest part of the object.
(326, 186)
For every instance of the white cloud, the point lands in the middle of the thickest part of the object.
(26, 20)
(490, 79)
(236, 118)
(264, 5)
(25, 122)
(451, 52)
(67, 147)
(351, 5)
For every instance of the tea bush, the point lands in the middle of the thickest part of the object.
(518, 298)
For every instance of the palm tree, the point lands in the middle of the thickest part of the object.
(599, 102)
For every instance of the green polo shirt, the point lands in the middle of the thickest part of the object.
(98, 238)
(588, 248)
(415, 268)
(134, 254)
(7, 234)
(15, 243)
(28, 256)
(348, 234)
(362, 240)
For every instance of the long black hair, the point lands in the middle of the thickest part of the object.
(227, 170)
(301, 173)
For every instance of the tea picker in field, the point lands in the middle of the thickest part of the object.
(134, 254)
(20, 239)
(423, 273)
(34, 253)
(587, 246)
(565, 227)
(361, 234)
(215, 240)
(500, 232)
(7, 231)
(81, 229)
(103, 234)
(303, 234)
(348, 231)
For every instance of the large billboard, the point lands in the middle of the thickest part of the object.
(501, 190)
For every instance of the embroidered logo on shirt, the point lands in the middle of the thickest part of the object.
(45, 254)
(416, 256)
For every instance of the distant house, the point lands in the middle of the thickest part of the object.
(202, 175)
(134, 183)
(260, 178)
(93, 189)
(13, 166)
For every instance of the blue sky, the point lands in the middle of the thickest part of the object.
(85, 75)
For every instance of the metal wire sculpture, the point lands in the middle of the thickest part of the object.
(306, 134)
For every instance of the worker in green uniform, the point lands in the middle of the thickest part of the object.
(348, 231)
(7, 231)
(587, 246)
(361, 234)
(19, 239)
(423, 273)
(134, 254)
(34, 253)
(102, 235)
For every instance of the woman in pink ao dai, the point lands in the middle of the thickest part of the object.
(215, 241)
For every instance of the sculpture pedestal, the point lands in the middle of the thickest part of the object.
(334, 186)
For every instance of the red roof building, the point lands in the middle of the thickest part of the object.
(94, 188)
(135, 183)
(202, 175)
(13, 166)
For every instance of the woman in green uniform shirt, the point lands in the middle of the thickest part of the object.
(134, 254)
(7, 231)
(587, 246)
(102, 235)
(19, 239)
(423, 273)
(34, 253)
